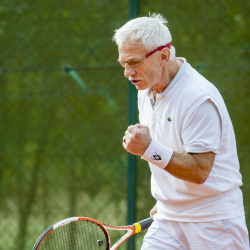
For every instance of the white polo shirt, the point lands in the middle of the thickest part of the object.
(191, 116)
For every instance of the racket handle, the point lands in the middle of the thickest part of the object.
(145, 224)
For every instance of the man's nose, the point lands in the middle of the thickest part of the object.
(128, 71)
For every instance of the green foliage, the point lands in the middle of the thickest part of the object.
(64, 105)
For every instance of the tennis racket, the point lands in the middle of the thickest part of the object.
(85, 233)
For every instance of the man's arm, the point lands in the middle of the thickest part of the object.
(201, 135)
(193, 167)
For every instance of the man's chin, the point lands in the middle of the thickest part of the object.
(140, 87)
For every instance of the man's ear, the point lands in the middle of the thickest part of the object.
(165, 55)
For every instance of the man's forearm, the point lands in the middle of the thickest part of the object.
(193, 167)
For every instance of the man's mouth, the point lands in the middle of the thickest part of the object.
(134, 82)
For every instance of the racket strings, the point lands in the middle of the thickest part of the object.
(76, 235)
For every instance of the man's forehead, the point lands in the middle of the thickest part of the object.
(131, 49)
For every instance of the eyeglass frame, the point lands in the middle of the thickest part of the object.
(149, 54)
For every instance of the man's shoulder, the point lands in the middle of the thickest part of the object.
(196, 84)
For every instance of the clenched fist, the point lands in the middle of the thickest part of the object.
(137, 139)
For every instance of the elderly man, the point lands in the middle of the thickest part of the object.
(186, 135)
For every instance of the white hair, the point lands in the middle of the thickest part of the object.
(151, 31)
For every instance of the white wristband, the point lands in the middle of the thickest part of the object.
(157, 154)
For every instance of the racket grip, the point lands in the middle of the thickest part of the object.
(145, 224)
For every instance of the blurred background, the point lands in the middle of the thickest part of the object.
(65, 104)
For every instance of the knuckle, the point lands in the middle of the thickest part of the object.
(130, 127)
(137, 134)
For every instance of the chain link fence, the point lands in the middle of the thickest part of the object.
(64, 105)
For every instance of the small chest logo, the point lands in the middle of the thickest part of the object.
(156, 157)
(169, 119)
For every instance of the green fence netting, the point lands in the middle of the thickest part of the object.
(64, 105)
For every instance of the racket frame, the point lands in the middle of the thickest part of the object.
(131, 230)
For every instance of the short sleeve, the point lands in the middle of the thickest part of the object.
(202, 131)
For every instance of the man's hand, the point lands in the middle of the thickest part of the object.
(137, 139)
(153, 211)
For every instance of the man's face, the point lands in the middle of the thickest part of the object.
(149, 72)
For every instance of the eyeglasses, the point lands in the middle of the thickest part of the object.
(137, 63)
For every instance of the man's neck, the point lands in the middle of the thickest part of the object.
(173, 68)
(169, 74)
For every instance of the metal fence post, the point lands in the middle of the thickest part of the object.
(132, 119)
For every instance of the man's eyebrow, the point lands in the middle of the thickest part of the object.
(131, 59)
